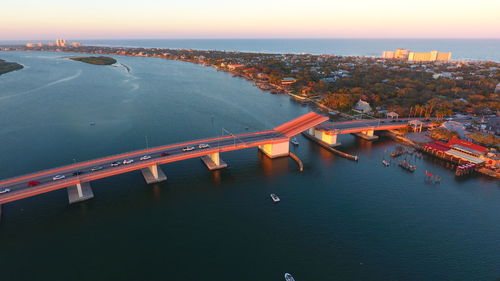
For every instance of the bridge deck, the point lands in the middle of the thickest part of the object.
(301, 124)
(20, 188)
(357, 126)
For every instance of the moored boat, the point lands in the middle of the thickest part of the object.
(294, 141)
(407, 166)
(385, 162)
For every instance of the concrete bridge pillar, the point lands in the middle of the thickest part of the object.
(274, 150)
(213, 161)
(329, 138)
(80, 192)
(153, 174)
(367, 135)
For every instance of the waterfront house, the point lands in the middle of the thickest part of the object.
(362, 107)
(392, 115)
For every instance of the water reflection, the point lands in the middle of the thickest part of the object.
(273, 167)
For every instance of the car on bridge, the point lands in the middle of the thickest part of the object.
(163, 154)
(145, 157)
(128, 161)
(188, 148)
(4, 190)
(77, 173)
(116, 164)
(33, 183)
(58, 177)
(203, 145)
(96, 168)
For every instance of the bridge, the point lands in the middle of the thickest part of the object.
(328, 132)
(77, 177)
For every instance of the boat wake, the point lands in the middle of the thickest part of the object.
(62, 80)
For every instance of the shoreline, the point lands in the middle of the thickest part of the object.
(231, 69)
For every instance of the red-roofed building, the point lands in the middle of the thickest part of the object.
(467, 147)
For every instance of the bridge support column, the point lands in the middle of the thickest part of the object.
(367, 135)
(80, 192)
(153, 174)
(327, 137)
(274, 150)
(213, 161)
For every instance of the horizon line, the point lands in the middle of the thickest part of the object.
(269, 38)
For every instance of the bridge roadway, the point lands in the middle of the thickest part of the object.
(20, 188)
(357, 126)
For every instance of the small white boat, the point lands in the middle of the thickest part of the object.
(385, 162)
(294, 141)
(275, 197)
(289, 277)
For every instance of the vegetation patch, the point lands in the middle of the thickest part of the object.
(6, 66)
(96, 60)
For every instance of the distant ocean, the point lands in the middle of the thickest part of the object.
(463, 49)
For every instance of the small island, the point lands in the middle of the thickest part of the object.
(6, 66)
(96, 60)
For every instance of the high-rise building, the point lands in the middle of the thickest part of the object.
(403, 54)
(431, 56)
(61, 43)
(388, 55)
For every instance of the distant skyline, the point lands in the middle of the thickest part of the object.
(149, 19)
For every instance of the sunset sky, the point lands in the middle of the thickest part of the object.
(102, 19)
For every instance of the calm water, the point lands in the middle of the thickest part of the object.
(463, 49)
(338, 220)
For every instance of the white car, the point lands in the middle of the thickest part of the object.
(203, 145)
(128, 161)
(145, 157)
(116, 164)
(5, 190)
(188, 148)
(58, 177)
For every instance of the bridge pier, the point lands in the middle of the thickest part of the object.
(327, 137)
(80, 192)
(274, 150)
(153, 174)
(213, 161)
(367, 135)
